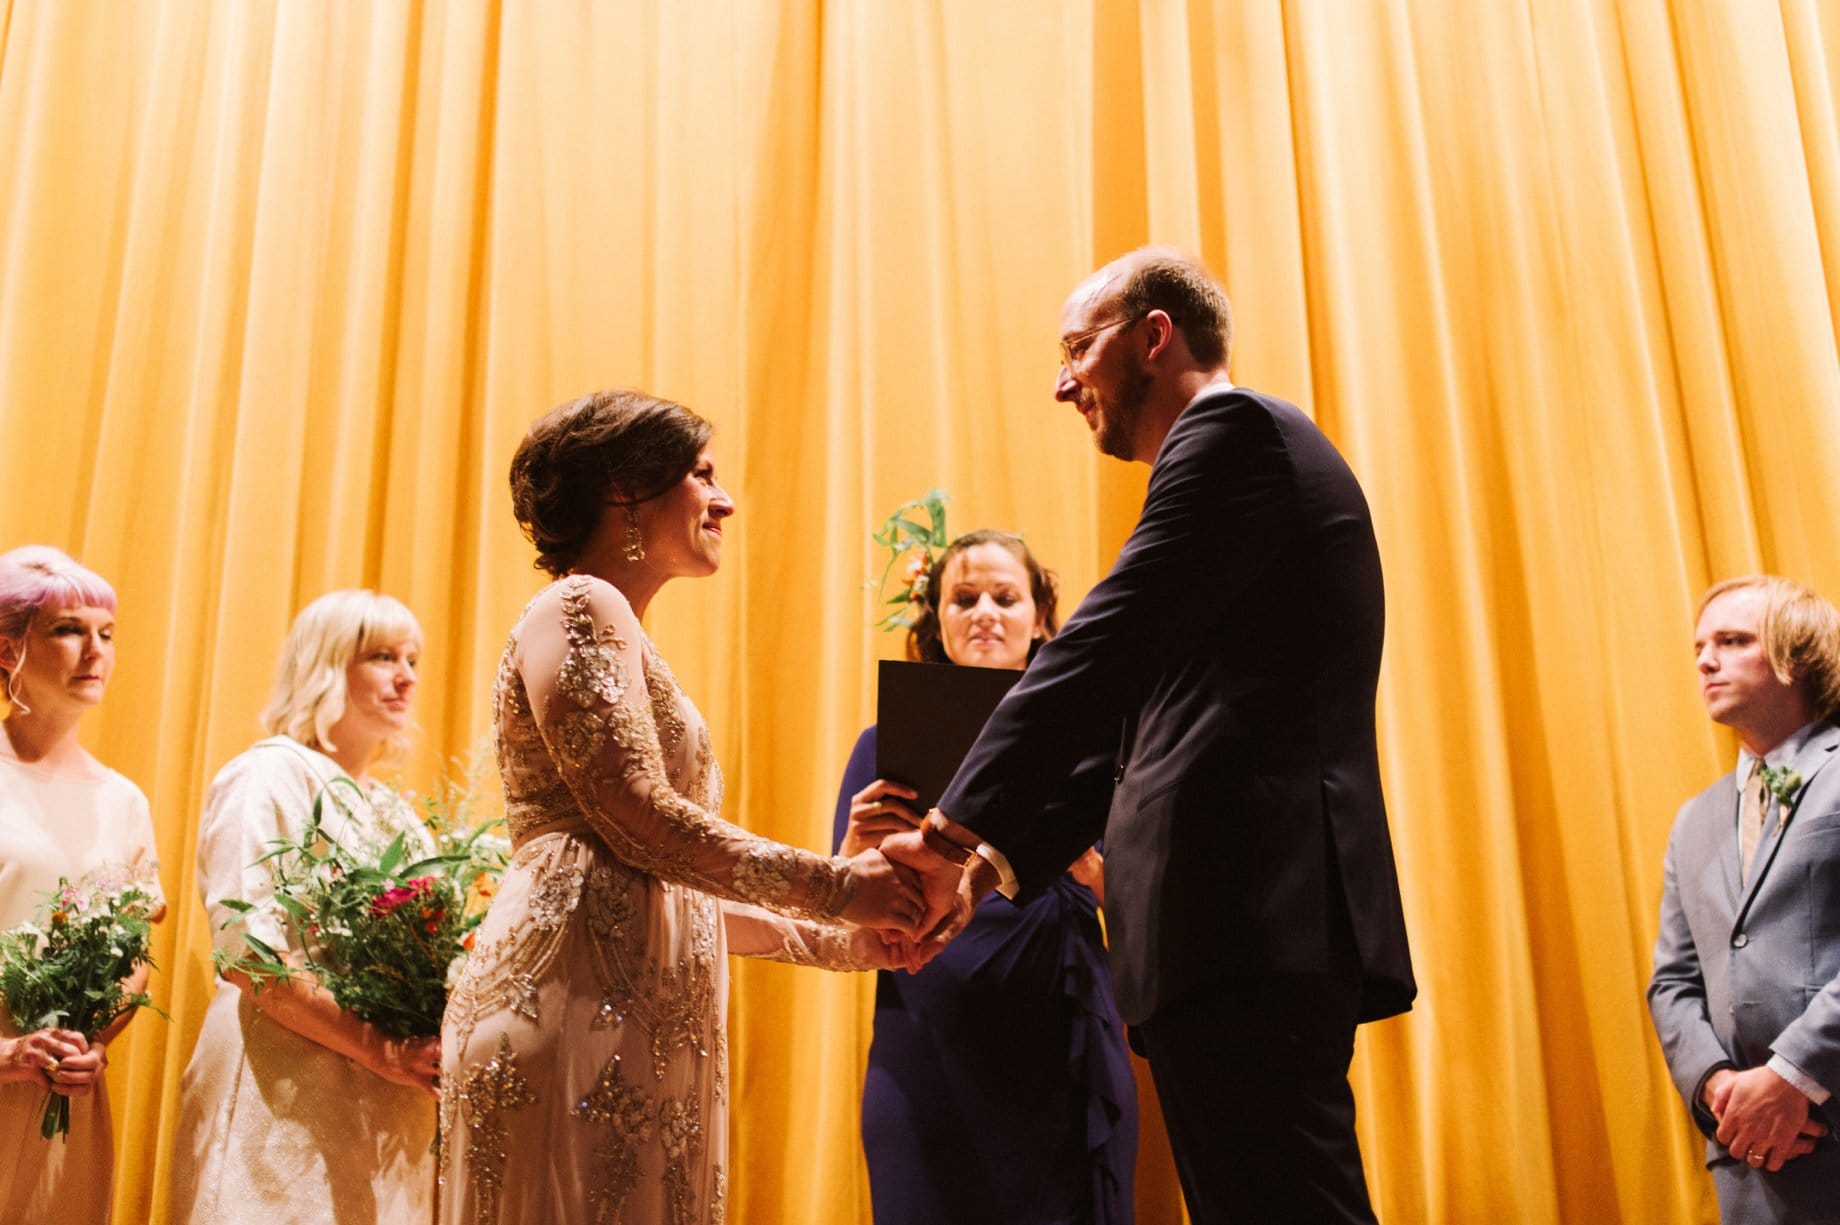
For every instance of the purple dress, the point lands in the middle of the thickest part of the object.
(999, 1089)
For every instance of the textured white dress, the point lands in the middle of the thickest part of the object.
(275, 1129)
(584, 1053)
(52, 826)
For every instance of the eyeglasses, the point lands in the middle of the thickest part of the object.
(1074, 347)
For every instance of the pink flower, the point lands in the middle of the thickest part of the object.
(390, 899)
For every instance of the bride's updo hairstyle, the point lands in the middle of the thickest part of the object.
(609, 448)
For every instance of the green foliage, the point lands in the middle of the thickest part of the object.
(1782, 782)
(912, 535)
(383, 934)
(67, 970)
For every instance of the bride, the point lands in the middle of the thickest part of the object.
(584, 1055)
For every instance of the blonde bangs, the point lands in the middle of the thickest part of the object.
(1801, 635)
(328, 636)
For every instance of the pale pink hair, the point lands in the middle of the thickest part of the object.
(34, 576)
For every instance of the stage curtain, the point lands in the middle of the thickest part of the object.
(282, 282)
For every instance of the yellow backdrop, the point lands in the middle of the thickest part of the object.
(281, 284)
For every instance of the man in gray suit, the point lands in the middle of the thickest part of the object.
(1746, 991)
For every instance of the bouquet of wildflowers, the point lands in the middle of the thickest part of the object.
(384, 933)
(66, 970)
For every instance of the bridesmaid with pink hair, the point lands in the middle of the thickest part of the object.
(62, 814)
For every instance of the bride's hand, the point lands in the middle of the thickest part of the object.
(875, 812)
(885, 896)
(886, 950)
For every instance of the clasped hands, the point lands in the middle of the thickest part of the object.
(1763, 1119)
(919, 879)
(59, 1060)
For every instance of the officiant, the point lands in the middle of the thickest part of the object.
(1009, 1042)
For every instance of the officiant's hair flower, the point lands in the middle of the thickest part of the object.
(601, 454)
(328, 636)
(912, 535)
(1801, 636)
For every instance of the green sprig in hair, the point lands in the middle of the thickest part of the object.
(913, 535)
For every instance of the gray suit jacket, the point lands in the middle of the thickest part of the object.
(1742, 973)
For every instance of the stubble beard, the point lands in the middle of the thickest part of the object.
(1118, 420)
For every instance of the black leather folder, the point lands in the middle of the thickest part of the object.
(926, 718)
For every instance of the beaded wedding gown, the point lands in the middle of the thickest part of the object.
(584, 1053)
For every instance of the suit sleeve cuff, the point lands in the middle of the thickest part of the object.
(1006, 876)
(1810, 1088)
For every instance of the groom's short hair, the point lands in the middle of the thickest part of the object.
(1801, 635)
(1174, 282)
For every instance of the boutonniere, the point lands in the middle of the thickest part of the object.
(1782, 782)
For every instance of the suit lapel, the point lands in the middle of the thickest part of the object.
(1814, 756)
(1725, 802)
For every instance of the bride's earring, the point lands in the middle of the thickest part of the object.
(635, 543)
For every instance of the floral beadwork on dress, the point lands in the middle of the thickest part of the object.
(555, 897)
(630, 1120)
(486, 1092)
(611, 921)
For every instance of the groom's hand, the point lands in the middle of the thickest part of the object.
(941, 881)
(954, 876)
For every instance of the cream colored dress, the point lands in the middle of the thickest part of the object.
(584, 1053)
(275, 1129)
(52, 826)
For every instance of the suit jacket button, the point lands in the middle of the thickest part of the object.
(1740, 940)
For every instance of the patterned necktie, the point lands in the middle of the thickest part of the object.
(1750, 820)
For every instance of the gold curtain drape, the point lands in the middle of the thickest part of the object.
(281, 282)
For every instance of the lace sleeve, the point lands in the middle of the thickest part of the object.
(584, 673)
(753, 932)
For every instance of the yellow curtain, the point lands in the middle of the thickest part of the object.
(281, 284)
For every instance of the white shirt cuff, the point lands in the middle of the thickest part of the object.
(1808, 1085)
(1007, 884)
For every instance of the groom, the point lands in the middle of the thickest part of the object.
(1221, 679)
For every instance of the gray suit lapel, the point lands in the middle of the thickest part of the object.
(1725, 801)
(1814, 757)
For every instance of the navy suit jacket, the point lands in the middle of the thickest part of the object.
(1210, 708)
